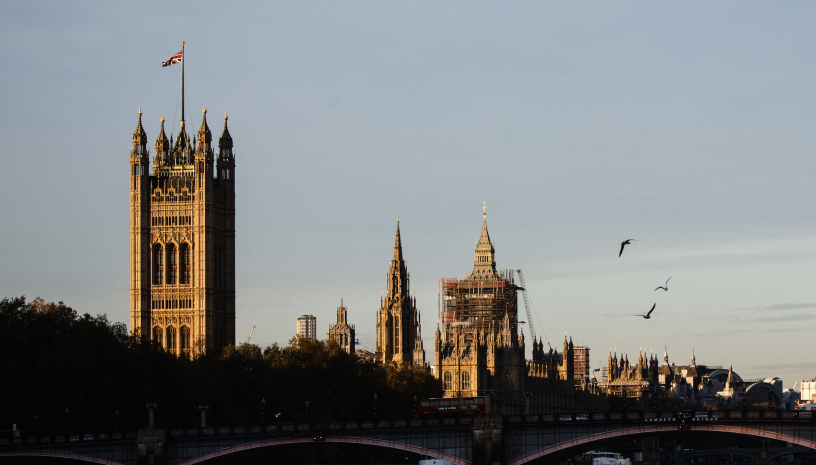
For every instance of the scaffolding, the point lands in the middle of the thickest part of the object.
(580, 357)
(477, 303)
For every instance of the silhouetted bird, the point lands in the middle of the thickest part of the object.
(277, 415)
(623, 244)
(666, 287)
(647, 316)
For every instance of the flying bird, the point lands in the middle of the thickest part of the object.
(648, 315)
(623, 244)
(666, 287)
(277, 415)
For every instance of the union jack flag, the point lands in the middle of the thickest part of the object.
(175, 59)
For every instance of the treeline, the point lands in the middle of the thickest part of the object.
(55, 359)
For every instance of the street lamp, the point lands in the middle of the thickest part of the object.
(375, 406)
(66, 420)
(527, 396)
(263, 412)
(116, 421)
(150, 422)
(416, 410)
(307, 411)
(203, 409)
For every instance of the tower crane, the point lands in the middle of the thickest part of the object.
(527, 305)
(250, 334)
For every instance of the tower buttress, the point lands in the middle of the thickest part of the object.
(140, 233)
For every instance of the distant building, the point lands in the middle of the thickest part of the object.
(342, 332)
(693, 383)
(307, 326)
(809, 391)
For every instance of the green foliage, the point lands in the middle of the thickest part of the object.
(54, 358)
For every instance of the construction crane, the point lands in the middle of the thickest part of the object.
(527, 305)
(250, 334)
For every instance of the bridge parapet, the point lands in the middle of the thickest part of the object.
(678, 416)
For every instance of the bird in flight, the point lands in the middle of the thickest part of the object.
(623, 244)
(648, 315)
(666, 287)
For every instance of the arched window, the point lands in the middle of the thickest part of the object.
(172, 264)
(465, 381)
(171, 339)
(446, 385)
(186, 263)
(158, 264)
(157, 335)
(396, 334)
(185, 341)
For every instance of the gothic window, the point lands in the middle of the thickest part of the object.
(465, 381)
(447, 381)
(185, 341)
(157, 335)
(172, 264)
(158, 264)
(171, 339)
(396, 334)
(186, 262)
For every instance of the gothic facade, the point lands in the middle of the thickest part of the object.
(398, 330)
(342, 332)
(480, 352)
(182, 240)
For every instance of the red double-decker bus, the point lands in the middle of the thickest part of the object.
(453, 405)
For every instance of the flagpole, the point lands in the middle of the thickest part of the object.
(182, 82)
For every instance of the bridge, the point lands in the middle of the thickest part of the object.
(479, 440)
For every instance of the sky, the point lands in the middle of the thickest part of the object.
(685, 125)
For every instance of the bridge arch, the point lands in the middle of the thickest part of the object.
(328, 439)
(646, 430)
(59, 455)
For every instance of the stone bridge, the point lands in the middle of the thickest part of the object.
(480, 440)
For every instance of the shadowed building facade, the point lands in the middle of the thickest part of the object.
(182, 240)
(398, 336)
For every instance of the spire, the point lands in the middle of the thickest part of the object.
(398, 244)
(139, 135)
(225, 141)
(204, 134)
(665, 355)
(693, 359)
(162, 144)
(484, 264)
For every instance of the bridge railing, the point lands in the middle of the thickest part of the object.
(666, 416)
(277, 430)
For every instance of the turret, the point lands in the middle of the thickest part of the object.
(226, 161)
(162, 147)
(203, 154)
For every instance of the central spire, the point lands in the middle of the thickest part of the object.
(398, 245)
(484, 260)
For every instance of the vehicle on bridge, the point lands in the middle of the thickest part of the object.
(453, 405)
(609, 458)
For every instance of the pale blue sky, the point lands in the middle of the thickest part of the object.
(685, 125)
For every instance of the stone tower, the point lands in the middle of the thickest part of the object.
(182, 240)
(342, 331)
(398, 317)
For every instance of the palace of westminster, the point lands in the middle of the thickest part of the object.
(182, 268)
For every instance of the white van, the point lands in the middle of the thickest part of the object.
(609, 458)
